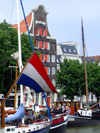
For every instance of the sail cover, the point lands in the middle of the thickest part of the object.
(18, 115)
(35, 77)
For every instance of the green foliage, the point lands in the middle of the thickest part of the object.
(9, 45)
(70, 78)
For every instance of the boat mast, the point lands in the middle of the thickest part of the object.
(20, 56)
(86, 86)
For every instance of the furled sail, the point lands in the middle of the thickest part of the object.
(35, 77)
(18, 115)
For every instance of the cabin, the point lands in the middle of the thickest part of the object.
(73, 105)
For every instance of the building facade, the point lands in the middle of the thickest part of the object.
(44, 43)
(67, 50)
(70, 50)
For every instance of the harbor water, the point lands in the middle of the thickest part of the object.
(86, 129)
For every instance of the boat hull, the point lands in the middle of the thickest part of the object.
(43, 130)
(59, 125)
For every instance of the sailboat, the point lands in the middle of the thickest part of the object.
(87, 112)
(34, 76)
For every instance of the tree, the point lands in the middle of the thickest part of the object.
(94, 79)
(9, 45)
(68, 78)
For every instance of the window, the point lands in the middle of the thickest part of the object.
(12, 129)
(35, 31)
(53, 70)
(45, 32)
(48, 46)
(53, 47)
(53, 81)
(8, 130)
(37, 98)
(69, 50)
(48, 70)
(42, 57)
(37, 44)
(40, 31)
(74, 50)
(47, 58)
(45, 45)
(61, 59)
(57, 61)
(53, 58)
(64, 50)
(40, 44)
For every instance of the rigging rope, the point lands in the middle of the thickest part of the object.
(5, 61)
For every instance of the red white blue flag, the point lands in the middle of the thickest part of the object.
(35, 77)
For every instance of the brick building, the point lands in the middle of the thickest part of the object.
(44, 43)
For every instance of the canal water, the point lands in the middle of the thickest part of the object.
(87, 129)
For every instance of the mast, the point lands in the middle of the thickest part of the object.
(20, 55)
(86, 85)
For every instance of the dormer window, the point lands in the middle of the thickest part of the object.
(57, 61)
(74, 50)
(69, 50)
(64, 50)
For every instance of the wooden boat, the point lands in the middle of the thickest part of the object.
(59, 119)
(87, 111)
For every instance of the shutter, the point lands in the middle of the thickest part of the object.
(46, 69)
(40, 44)
(41, 57)
(45, 32)
(40, 31)
(46, 57)
(36, 43)
(46, 45)
(35, 31)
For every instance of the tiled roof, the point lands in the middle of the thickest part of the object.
(23, 24)
(96, 58)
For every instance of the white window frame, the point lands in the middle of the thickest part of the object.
(48, 70)
(53, 81)
(48, 48)
(43, 57)
(64, 50)
(48, 58)
(43, 46)
(53, 58)
(53, 70)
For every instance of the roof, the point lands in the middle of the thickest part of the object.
(87, 59)
(23, 27)
(96, 58)
(68, 49)
(59, 59)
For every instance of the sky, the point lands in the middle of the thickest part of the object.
(64, 20)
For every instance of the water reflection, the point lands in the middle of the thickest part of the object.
(90, 129)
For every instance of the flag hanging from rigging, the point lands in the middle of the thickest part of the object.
(35, 76)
